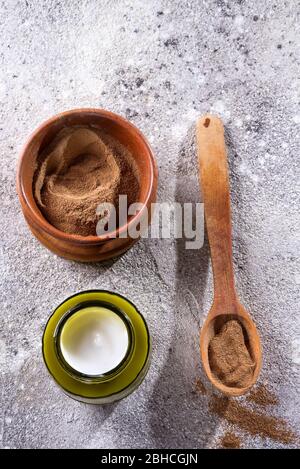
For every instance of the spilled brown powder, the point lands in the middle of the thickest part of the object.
(247, 420)
(254, 423)
(229, 357)
(230, 440)
(262, 396)
(199, 387)
(80, 169)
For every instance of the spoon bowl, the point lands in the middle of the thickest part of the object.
(214, 322)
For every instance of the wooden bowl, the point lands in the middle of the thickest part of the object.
(75, 247)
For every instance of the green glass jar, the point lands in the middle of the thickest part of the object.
(71, 361)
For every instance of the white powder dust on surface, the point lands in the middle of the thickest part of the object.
(296, 351)
(221, 110)
(246, 171)
(3, 354)
(3, 89)
(296, 119)
(297, 279)
(239, 21)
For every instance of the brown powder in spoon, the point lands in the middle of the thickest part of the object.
(80, 169)
(229, 358)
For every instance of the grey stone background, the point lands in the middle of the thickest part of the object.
(161, 64)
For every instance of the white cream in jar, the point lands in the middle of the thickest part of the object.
(94, 340)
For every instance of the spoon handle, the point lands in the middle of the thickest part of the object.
(213, 173)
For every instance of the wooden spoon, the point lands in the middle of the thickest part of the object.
(213, 172)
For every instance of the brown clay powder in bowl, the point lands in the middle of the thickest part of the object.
(229, 358)
(81, 168)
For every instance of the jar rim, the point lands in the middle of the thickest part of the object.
(128, 378)
(102, 377)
